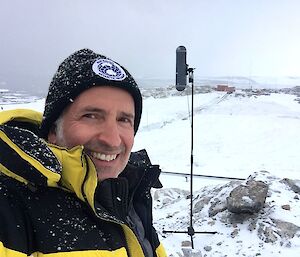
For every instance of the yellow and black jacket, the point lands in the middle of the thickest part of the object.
(51, 203)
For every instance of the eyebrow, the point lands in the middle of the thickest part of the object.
(128, 115)
(93, 109)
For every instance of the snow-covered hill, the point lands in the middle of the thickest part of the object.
(241, 82)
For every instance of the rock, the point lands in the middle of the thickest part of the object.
(286, 207)
(188, 252)
(216, 207)
(168, 196)
(207, 248)
(266, 233)
(249, 198)
(213, 197)
(211, 222)
(286, 229)
(252, 225)
(201, 203)
(294, 184)
(234, 233)
(231, 219)
(186, 244)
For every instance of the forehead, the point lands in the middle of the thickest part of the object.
(105, 95)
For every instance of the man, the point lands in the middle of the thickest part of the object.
(70, 185)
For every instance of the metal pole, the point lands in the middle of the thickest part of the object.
(191, 231)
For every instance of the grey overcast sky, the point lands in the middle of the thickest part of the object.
(222, 37)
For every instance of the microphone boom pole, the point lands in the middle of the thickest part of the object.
(182, 71)
(191, 231)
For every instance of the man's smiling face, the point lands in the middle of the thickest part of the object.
(102, 120)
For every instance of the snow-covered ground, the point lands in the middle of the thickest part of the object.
(234, 136)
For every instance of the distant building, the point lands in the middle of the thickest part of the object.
(231, 89)
(222, 87)
(225, 88)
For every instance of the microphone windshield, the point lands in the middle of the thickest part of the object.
(181, 68)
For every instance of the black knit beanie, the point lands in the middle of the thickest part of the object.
(80, 71)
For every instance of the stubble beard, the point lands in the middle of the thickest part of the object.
(102, 172)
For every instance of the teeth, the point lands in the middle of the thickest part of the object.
(104, 157)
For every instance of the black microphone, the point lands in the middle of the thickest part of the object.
(181, 68)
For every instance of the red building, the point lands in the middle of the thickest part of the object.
(225, 88)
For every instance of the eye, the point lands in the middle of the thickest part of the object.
(89, 115)
(127, 120)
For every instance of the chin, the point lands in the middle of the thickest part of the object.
(102, 174)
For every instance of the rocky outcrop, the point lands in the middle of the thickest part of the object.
(260, 215)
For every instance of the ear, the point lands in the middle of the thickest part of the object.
(52, 135)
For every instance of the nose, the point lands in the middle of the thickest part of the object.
(110, 134)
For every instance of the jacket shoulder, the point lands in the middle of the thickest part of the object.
(23, 155)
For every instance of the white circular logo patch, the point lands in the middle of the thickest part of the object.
(108, 69)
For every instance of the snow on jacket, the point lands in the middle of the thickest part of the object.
(51, 203)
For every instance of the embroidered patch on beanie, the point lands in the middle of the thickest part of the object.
(108, 69)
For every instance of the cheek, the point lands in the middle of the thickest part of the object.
(129, 140)
(76, 135)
